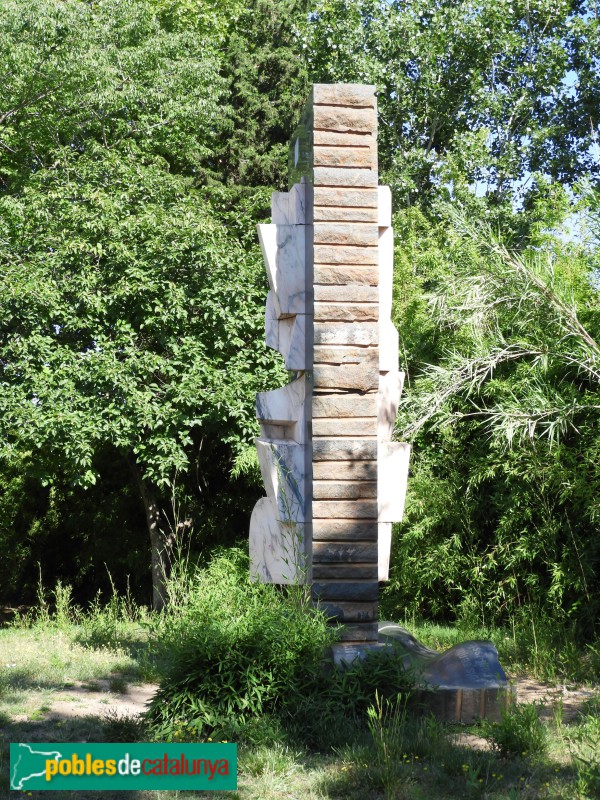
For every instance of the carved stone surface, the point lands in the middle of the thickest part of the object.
(461, 684)
(325, 451)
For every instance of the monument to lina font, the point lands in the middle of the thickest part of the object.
(334, 479)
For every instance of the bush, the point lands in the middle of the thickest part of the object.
(240, 652)
(520, 733)
(237, 650)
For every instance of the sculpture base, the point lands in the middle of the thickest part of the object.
(462, 684)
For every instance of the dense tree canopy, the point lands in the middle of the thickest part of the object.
(139, 144)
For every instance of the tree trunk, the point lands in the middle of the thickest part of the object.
(161, 540)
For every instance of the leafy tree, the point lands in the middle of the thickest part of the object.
(505, 425)
(494, 93)
(129, 314)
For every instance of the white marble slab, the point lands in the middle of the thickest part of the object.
(392, 474)
(285, 408)
(388, 399)
(283, 469)
(292, 336)
(384, 206)
(389, 347)
(283, 248)
(287, 336)
(289, 208)
(277, 551)
(384, 549)
(386, 271)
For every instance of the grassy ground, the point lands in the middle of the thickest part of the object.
(69, 683)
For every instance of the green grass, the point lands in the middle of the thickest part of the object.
(385, 753)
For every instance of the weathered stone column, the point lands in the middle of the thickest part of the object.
(331, 310)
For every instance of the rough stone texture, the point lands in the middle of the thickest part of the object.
(359, 632)
(355, 233)
(349, 591)
(345, 157)
(343, 490)
(344, 509)
(361, 377)
(343, 426)
(329, 259)
(341, 274)
(342, 176)
(346, 312)
(344, 470)
(345, 571)
(344, 405)
(345, 94)
(346, 333)
(324, 354)
(338, 450)
(361, 198)
(344, 214)
(352, 120)
(351, 612)
(342, 254)
(326, 530)
(337, 139)
(344, 551)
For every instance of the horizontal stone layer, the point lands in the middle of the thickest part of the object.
(345, 157)
(344, 509)
(338, 490)
(345, 470)
(362, 377)
(349, 591)
(360, 632)
(344, 405)
(346, 312)
(345, 254)
(345, 176)
(326, 530)
(344, 426)
(353, 449)
(346, 333)
(322, 138)
(343, 119)
(344, 94)
(345, 214)
(350, 612)
(341, 274)
(357, 197)
(347, 572)
(355, 233)
(353, 354)
(344, 551)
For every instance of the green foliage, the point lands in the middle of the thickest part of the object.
(520, 733)
(387, 726)
(239, 651)
(468, 92)
(584, 747)
(504, 423)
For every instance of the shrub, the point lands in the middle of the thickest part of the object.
(520, 732)
(238, 651)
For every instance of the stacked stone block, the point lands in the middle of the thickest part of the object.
(337, 296)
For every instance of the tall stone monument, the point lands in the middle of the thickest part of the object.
(335, 481)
